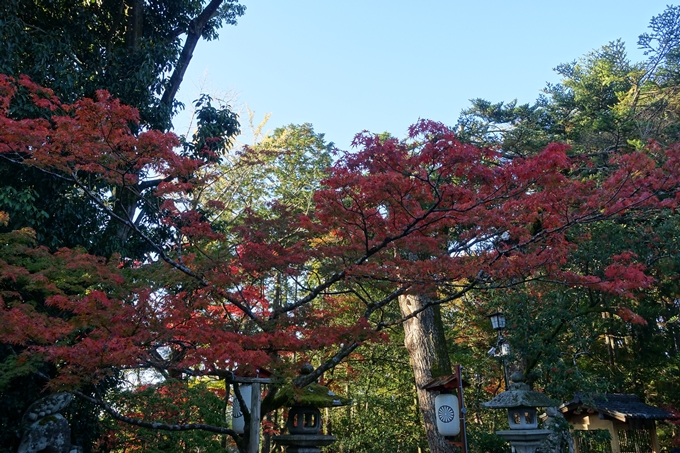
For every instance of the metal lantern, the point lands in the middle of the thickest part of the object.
(237, 419)
(448, 414)
(497, 320)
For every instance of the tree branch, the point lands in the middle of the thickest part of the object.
(196, 27)
(345, 350)
(429, 304)
(154, 425)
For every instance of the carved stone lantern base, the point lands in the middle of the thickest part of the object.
(304, 443)
(525, 440)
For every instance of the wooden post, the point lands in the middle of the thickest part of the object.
(255, 404)
(616, 446)
(654, 439)
(255, 409)
(461, 406)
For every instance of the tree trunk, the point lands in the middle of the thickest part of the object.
(425, 342)
(135, 26)
(194, 32)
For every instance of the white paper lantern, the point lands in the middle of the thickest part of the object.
(448, 414)
(237, 420)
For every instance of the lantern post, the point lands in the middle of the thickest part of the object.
(502, 348)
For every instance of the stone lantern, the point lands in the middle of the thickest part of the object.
(304, 416)
(521, 403)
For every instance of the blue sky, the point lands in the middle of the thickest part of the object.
(381, 65)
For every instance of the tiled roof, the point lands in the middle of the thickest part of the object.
(619, 405)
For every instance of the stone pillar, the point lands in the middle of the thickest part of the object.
(45, 429)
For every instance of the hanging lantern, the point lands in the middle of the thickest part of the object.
(448, 414)
(497, 321)
(237, 420)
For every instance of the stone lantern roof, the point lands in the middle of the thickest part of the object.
(313, 395)
(519, 394)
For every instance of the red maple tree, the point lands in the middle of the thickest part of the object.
(425, 215)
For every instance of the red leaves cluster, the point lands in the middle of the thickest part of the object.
(91, 136)
(63, 307)
(630, 316)
(438, 210)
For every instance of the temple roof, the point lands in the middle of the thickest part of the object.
(617, 405)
